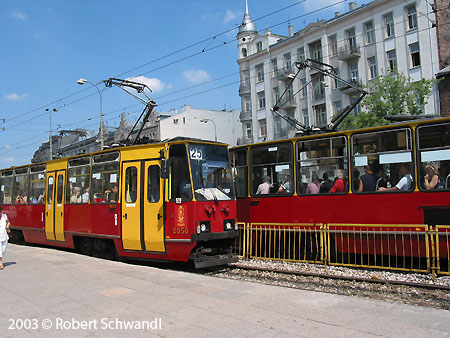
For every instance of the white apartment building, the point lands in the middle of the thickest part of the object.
(360, 44)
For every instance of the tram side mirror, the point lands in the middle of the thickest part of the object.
(164, 168)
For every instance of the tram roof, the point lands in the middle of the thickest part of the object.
(413, 123)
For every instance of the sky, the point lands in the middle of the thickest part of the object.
(185, 51)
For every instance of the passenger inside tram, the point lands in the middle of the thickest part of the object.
(76, 195)
(405, 182)
(432, 179)
(285, 187)
(340, 183)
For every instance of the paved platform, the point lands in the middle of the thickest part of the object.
(80, 296)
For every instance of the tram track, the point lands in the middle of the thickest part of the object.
(391, 290)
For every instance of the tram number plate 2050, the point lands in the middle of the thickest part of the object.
(180, 231)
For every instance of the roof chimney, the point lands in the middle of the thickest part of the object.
(291, 30)
(352, 6)
(336, 14)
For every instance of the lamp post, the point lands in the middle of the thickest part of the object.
(82, 82)
(50, 140)
(215, 128)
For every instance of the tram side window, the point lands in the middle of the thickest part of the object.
(78, 180)
(272, 169)
(180, 179)
(434, 157)
(153, 188)
(322, 166)
(37, 185)
(50, 190)
(130, 185)
(20, 186)
(382, 161)
(6, 183)
(105, 178)
(60, 189)
(240, 172)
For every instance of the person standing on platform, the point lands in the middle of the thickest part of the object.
(4, 230)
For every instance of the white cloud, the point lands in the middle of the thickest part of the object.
(229, 16)
(196, 75)
(8, 160)
(156, 85)
(18, 15)
(14, 96)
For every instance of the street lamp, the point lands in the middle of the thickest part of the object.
(82, 82)
(215, 128)
(50, 141)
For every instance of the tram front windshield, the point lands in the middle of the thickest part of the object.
(211, 172)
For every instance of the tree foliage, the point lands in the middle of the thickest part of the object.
(390, 94)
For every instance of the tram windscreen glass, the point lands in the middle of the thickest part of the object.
(6, 183)
(211, 172)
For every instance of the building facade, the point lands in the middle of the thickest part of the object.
(360, 44)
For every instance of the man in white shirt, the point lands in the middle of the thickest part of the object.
(4, 228)
(264, 187)
(405, 182)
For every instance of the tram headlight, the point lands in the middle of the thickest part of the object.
(228, 224)
(203, 227)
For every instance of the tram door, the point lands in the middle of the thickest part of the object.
(142, 207)
(54, 206)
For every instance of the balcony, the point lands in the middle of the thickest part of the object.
(245, 115)
(349, 52)
(244, 140)
(244, 89)
(283, 74)
(345, 89)
(288, 102)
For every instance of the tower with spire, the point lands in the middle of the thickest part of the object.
(247, 32)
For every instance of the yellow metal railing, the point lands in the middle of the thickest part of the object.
(442, 248)
(402, 247)
(284, 242)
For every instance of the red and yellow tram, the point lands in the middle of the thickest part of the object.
(314, 180)
(163, 201)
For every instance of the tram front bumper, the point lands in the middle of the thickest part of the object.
(202, 237)
(207, 261)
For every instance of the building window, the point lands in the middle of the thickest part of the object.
(319, 88)
(260, 73)
(392, 60)
(262, 128)
(246, 76)
(248, 130)
(276, 94)
(244, 52)
(287, 60)
(247, 104)
(301, 54)
(316, 51)
(304, 87)
(357, 109)
(337, 107)
(321, 115)
(412, 17)
(275, 67)
(261, 100)
(277, 124)
(305, 114)
(389, 25)
(337, 83)
(333, 45)
(351, 38)
(370, 32)
(415, 54)
(372, 63)
(259, 46)
(354, 73)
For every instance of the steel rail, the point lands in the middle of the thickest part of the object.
(346, 278)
